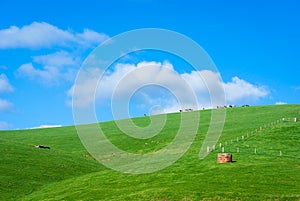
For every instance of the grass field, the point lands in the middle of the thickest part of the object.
(265, 152)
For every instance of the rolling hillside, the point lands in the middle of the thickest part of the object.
(265, 150)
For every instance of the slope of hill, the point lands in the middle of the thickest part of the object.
(265, 149)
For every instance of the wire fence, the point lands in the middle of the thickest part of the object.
(239, 145)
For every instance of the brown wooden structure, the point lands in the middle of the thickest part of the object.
(224, 158)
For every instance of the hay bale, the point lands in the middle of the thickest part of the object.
(224, 158)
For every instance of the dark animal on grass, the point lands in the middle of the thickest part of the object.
(42, 147)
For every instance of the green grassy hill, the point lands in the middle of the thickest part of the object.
(265, 152)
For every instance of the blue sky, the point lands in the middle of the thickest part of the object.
(254, 44)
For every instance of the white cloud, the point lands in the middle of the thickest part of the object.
(280, 103)
(59, 59)
(54, 68)
(90, 38)
(125, 78)
(85, 87)
(5, 106)
(128, 77)
(35, 35)
(208, 86)
(47, 75)
(45, 126)
(5, 86)
(44, 35)
(4, 125)
(166, 88)
(239, 90)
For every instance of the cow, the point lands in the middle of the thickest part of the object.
(42, 147)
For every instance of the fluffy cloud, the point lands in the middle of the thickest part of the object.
(130, 79)
(54, 68)
(60, 59)
(47, 75)
(85, 87)
(90, 38)
(44, 35)
(208, 86)
(5, 86)
(239, 90)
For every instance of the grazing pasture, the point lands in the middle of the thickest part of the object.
(265, 153)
